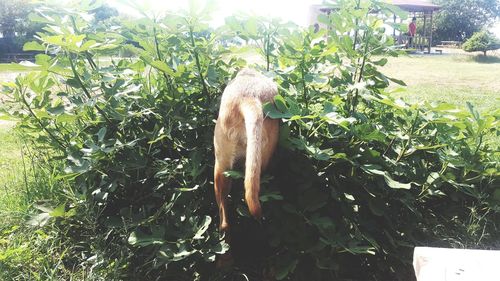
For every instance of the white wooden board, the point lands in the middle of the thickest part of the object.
(443, 264)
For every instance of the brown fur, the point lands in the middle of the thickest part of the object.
(243, 132)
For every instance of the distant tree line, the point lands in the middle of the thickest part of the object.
(16, 28)
(458, 20)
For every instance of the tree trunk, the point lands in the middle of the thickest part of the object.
(484, 52)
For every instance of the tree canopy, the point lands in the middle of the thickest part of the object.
(104, 12)
(12, 14)
(15, 27)
(482, 41)
(460, 19)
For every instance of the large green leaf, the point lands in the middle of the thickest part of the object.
(140, 239)
(203, 228)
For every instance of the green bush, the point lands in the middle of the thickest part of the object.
(358, 180)
(482, 41)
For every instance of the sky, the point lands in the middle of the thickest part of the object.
(289, 10)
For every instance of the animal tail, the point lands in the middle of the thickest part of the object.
(254, 118)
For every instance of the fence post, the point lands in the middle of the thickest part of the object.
(430, 37)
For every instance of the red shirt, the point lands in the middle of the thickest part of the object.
(413, 28)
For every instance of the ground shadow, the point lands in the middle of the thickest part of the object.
(486, 59)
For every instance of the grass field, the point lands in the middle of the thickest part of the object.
(12, 181)
(11, 170)
(451, 78)
(10, 67)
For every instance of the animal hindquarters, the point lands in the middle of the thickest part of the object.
(261, 140)
(269, 140)
(242, 132)
(270, 133)
(251, 110)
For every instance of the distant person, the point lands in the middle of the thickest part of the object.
(412, 30)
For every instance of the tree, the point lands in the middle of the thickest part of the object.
(13, 15)
(104, 12)
(482, 41)
(15, 27)
(459, 19)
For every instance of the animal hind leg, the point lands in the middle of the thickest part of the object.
(271, 133)
(222, 187)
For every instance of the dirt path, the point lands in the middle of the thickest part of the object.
(6, 76)
(4, 124)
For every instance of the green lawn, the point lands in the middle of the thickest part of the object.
(8, 72)
(26, 253)
(11, 173)
(451, 78)
(10, 67)
(12, 182)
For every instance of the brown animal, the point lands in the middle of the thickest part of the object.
(243, 132)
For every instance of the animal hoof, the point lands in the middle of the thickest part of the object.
(224, 261)
(224, 227)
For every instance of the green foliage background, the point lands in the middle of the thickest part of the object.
(358, 180)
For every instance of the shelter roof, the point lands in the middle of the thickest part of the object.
(415, 5)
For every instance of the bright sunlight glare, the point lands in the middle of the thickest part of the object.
(289, 10)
